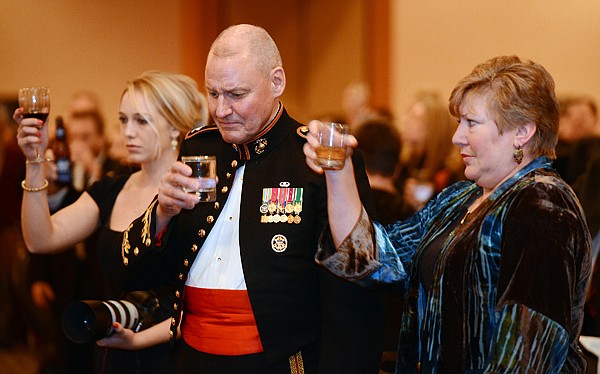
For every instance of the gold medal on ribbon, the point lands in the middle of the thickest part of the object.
(264, 207)
(298, 204)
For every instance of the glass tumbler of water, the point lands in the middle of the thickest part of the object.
(204, 168)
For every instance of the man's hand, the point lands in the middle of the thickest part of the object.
(171, 196)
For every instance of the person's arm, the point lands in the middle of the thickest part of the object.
(343, 200)
(42, 232)
(127, 339)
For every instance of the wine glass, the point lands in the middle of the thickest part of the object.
(35, 102)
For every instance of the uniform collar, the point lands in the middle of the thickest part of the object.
(266, 140)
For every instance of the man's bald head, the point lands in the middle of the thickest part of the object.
(252, 41)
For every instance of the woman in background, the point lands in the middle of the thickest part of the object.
(429, 160)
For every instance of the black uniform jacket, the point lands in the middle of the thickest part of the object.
(295, 303)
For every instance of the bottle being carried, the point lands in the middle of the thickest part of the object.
(61, 154)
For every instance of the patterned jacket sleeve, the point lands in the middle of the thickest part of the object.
(365, 257)
(373, 254)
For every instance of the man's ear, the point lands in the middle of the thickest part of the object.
(524, 134)
(278, 81)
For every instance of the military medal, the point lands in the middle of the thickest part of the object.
(297, 204)
(264, 207)
(275, 202)
(279, 243)
(280, 205)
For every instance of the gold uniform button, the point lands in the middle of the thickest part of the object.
(186, 262)
(180, 276)
(172, 321)
(217, 205)
(201, 233)
(233, 163)
(125, 261)
(228, 175)
(224, 189)
(170, 334)
(177, 294)
(175, 306)
(194, 248)
(210, 219)
(136, 251)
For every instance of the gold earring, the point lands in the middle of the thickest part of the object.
(174, 142)
(518, 155)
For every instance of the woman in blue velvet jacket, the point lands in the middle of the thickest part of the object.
(495, 269)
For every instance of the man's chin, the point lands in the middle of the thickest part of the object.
(232, 137)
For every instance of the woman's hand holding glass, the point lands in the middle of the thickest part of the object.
(32, 136)
(32, 117)
(312, 144)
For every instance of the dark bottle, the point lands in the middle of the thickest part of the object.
(61, 154)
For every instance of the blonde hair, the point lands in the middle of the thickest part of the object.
(439, 128)
(518, 92)
(174, 96)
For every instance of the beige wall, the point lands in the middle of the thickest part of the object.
(436, 43)
(100, 44)
(70, 45)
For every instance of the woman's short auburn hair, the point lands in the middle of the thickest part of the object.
(518, 92)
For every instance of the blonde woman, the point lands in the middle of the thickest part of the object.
(156, 109)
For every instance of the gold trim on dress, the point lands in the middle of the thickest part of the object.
(147, 221)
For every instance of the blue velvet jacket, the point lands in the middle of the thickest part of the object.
(508, 285)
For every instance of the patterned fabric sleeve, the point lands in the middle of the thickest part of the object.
(357, 260)
(526, 341)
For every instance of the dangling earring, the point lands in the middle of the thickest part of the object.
(518, 155)
(174, 142)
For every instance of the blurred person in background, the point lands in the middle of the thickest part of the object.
(430, 161)
(380, 143)
(578, 136)
(88, 147)
(13, 331)
(57, 279)
(156, 108)
(356, 105)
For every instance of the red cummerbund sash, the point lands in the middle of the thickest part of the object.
(219, 322)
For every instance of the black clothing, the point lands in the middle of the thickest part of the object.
(156, 359)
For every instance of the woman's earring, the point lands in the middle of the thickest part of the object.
(518, 155)
(174, 142)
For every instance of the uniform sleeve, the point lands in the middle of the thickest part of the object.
(543, 277)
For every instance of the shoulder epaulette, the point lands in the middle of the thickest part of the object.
(302, 131)
(201, 130)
